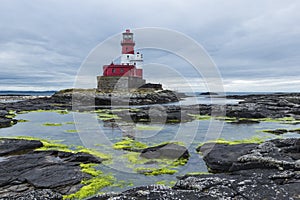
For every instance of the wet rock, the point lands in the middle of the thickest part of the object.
(168, 150)
(244, 121)
(25, 172)
(277, 131)
(17, 146)
(208, 93)
(278, 154)
(220, 157)
(7, 122)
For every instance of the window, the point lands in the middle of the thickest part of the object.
(113, 70)
(121, 70)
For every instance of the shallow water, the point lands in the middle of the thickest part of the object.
(94, 133)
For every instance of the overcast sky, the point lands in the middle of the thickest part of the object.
(255, 44)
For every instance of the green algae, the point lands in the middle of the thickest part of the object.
(166, 183)
(69, 123)
(11, 114)
(63, 112)
(89, 168)
(54, 145)
(71, 131)
(107, 116)
(93, 152)
(200, 117)
(129, 144)
(197, 173)
(254, 139)
(147, 127)
(22, 120)
(91, 186)
(155, 171)
(52, 124)
(159, 166)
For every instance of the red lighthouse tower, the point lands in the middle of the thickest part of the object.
(126, 75)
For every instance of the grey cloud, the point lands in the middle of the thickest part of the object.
(43, 43)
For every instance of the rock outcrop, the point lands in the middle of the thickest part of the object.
(270, 170)
(25, 173)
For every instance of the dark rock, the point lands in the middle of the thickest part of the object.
(277, 131)
(168, 150)
(244, 121)
(274, 175)
(209, 93)
(268, 155)
(26, 173)
(16, 146)
(220, 157)
(153, 192)
(7, 122)
(38, 194)
(250, 184)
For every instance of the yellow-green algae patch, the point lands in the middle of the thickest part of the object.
(107, 116)
(158, 166)
(200, 117)
(254, 139)
(52, 124)
(154, 171)
(129, 144)
(22, 120)
(71, 131)
(63, 112)
(141, 127)
(166, 183)
(93, 185)
(54, 145)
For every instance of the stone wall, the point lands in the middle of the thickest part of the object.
(113, 83)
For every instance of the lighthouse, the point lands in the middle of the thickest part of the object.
(126, 75)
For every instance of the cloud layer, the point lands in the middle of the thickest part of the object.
(255, 44)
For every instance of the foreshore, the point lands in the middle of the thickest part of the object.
(246, 170)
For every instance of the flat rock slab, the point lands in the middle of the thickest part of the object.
(274, 154)
(29, 172)
(169, 151)
(14, 146)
